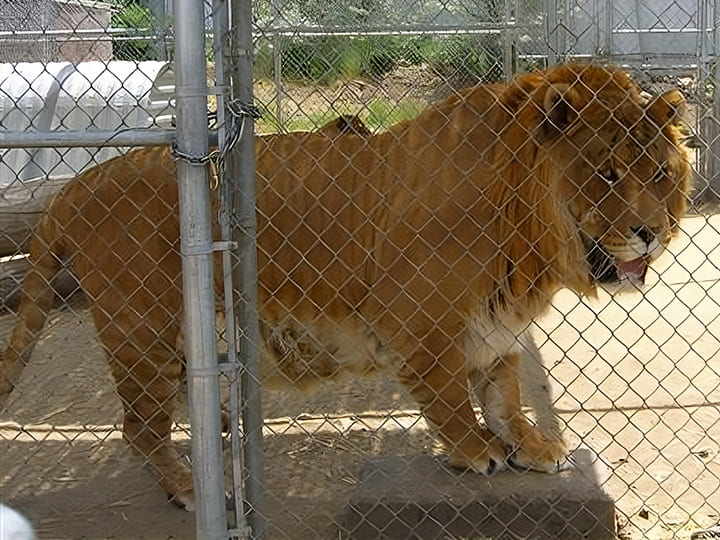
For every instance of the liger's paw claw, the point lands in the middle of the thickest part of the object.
(184, 500)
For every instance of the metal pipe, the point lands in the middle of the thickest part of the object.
(277, 40)
(231, 367)
(96, 139)
(99, 139)
(712, 179)
(552, 31)
(510, 13)
(609, 29)
(242, 171)
(81, 34)
(157, 8)
(417, 30)
(196, 245)
(686, 30)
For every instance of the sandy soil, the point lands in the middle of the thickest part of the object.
(635, 376)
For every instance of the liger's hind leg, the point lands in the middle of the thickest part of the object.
(35, 304)
(147, 384)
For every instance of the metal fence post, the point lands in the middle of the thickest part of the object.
(277, 40)
(552, 31)
(509, 34)
(196, 248)
(712, 189)
(241, 164)
(159, 47)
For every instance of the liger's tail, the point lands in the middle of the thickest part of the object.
(36, 300)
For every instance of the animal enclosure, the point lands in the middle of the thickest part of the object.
(389, 195)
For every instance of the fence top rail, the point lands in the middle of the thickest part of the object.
(390, 29)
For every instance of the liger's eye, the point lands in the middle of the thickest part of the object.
(609, 174)
(662, 173)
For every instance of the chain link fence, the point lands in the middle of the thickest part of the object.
(388, 237)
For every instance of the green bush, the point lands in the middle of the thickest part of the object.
(132, 16)
(461, 56)
(326, 59)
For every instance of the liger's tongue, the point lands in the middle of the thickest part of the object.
(632, 270)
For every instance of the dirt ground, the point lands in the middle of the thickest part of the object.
(635, 377)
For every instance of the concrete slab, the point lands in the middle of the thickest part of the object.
(419, 498)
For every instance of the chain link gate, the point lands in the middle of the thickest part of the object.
(631, 379)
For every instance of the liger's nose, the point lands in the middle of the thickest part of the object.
(645, 234)
(651, 239)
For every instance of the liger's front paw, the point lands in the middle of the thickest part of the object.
(538, 453)
(484, 455)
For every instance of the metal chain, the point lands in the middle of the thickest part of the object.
(233, 133)
(195, 160)
(235, 127)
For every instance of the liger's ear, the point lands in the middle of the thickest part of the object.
(667, 108)
(558, 110)
(558, 105)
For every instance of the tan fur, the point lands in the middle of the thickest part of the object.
(426, 249)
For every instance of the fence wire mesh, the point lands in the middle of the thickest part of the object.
(405, 229)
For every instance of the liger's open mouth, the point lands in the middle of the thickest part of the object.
(605, 269)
